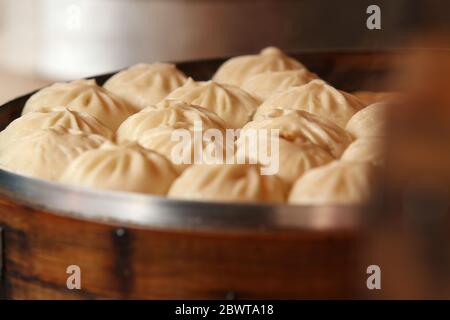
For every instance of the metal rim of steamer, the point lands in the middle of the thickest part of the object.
(143, 210)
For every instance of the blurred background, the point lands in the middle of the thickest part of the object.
(47, 40)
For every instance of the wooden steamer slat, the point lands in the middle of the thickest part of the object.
(165, 264)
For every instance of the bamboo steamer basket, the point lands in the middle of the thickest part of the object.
(135, 246)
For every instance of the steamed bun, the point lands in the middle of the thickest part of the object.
(303, 127)
(82, 96)
(228, 182)
(366, 149)
(59, 117)
(266, 84)
(197, 148)
(316, 97)
(155, 128)
(234, 105)
(369, 122)
(127, 167)
(293, 159)
(335, 183)
(168, 113)
(237, 70)
(146, 84)
(45, 153)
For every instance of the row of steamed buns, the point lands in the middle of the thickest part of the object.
(118, 136)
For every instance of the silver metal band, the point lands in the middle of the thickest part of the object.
(159, 212)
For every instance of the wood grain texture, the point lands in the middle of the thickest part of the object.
(135, 263)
